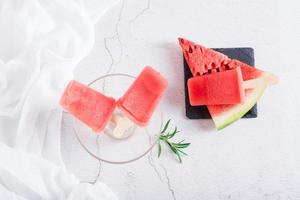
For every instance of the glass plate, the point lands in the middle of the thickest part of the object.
(136, 143)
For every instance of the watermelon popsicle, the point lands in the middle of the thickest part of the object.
(89, 106)
(142, 97)
(215, 89)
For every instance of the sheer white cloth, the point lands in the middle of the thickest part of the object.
(41, 42)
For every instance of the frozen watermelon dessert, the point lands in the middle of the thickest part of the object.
(142, 97)
(88, 105)
(203, 61)
(209, 89)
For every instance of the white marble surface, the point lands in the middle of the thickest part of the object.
(252, 159)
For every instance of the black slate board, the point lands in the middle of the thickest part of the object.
(245, 55)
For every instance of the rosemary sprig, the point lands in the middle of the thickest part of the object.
(176, 148)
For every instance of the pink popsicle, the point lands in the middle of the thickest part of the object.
(216, 89)
(141, 99)
(89, 106)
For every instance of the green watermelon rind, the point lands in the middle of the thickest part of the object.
(228, 117)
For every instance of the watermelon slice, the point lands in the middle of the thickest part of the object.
(224, 115)
(202, 62)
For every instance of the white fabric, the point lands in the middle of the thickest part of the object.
(41, 42)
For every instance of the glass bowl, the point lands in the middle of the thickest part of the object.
(133, 145)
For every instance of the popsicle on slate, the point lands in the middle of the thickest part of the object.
(89, 106)
(215, 89)
(141, 99)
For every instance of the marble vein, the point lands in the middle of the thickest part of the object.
(116, 36)
(166, 175)
(109, 53)
(117, 27)
(110, 68)
(142, 12)
(138, 15)
(172, 191)
(151, 163)
(99, 162)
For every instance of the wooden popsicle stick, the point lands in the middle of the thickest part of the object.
(269, 79)
(122, 124)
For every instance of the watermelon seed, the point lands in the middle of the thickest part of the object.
(227, 67)
(190, 50)
(209, 71)
(218, 69)
(201, 50)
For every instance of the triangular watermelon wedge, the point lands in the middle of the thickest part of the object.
(202, 60)
(224, 115)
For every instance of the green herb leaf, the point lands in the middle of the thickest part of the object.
(159, 150)
(176, 147)
(173, 134)
(182, 145)
(166, 126)
(182, 152)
